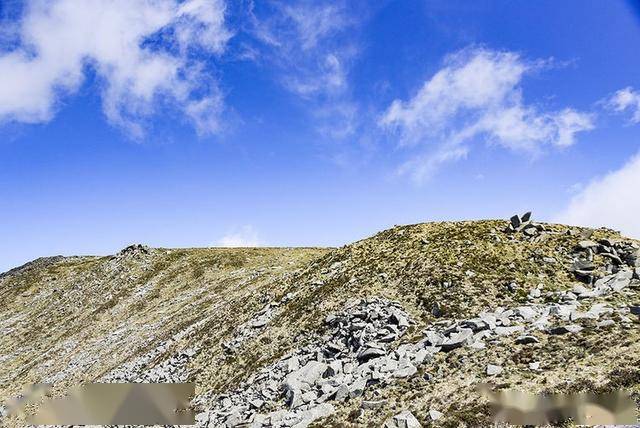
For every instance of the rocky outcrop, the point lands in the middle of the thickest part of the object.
(355, 352)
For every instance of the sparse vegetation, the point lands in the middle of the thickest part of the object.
(72, 320)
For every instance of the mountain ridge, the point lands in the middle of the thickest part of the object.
(220, 316)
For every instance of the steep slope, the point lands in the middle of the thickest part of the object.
(408, 319)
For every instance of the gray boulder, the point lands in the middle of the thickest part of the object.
(404, 419)
(526, 340)
(571, 328)
(515, 221)
(456, 340)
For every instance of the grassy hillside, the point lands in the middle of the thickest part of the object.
(220, 315)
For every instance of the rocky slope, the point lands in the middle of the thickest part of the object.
(396, 330)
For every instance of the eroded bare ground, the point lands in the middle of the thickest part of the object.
(411, 319)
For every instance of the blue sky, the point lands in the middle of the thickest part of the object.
(211, 122)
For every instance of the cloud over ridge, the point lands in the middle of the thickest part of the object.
(611, 200)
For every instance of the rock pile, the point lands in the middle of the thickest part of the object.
(614, 257)
(154, 366)
(533, 231)
(133, 250)
(354, 353)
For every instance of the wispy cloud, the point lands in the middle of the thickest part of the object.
(310, 47)
(246, 236)
(477, 94)
(60, 39)
(610, 201)
(626, 100)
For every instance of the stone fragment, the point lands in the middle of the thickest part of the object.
(587, 243)
(614, 258)
(356, 389)
(534, 365)
(433, 338)
(580, 289)
(368, 405)
(526, 340)
(404, 419)
(506, 331)
(399, 320)
(526, 312)
(478, 344)
(534, 293)
(333, 369)
(370, 353)
(406, 371)
(526, 217)
(605, 323)
(489, 318)
(292, 364)
(258, 323)
(622, 279)
(583, 265)
(476, 324)
(515, 221)
(571, 328)
(634, 309)
(309, 396)
(493, 370)
(234, 419)
(256, 403)
(310, 415)
(585, 233)
(436, 311)
(342, 393)
(293, 397)
(456, 340)
(434, 414)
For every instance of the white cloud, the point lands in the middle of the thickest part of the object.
(311, 48)
(477, 94)
(61, 39)
(246, 236)
(610, 201)
(303, 40)
(315, 21)
(626, 99)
